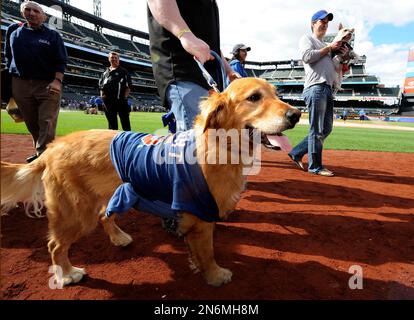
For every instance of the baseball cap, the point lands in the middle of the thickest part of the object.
(322, 14)
(240, 46)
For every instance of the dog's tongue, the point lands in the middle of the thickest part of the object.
(280, 141)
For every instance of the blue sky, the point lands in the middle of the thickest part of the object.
(386, 33)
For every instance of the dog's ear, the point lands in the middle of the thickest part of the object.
(340, 26)
(352, 30)
(214, 110)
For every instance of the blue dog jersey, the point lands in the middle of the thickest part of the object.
(160, 175)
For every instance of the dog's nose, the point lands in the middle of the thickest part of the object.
(293, 115)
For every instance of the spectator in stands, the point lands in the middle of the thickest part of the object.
(36, 57)
(115, 85)
(319, 78)
(239, 58)
(180, 30)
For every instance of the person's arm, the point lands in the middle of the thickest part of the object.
(7, 48)
(129, 84)
(100, 85)
(60, 65)
(167, 14)
(231, 73)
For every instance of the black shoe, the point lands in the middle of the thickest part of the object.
(170, 225)
(299, 163)
(31, 158)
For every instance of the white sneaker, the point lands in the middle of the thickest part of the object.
(324, 172)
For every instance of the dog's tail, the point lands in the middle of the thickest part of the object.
(22, 183)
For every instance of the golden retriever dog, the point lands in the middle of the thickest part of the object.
(75, 178)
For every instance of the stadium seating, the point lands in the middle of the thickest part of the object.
(268, 74)
(298, 73)
(71, 29)
(282, 74)
(142, 47)
(85, 68)
(11, 8)
(357, 70)
(391, 92)
(345, 92)
(95, 36)
(250, 73)
(123, 44)
(361, 91)
(371, 79)
(145, 75)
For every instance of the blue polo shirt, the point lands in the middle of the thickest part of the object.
(35, 53)
(160, 175)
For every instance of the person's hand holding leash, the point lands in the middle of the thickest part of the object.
(233, 76)
(196, 47)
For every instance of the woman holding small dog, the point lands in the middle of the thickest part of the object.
(320, 75)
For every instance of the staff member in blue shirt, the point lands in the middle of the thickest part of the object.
(239, 58)
(36, 57)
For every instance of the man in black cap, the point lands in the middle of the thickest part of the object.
(319, 77)
(239, 58)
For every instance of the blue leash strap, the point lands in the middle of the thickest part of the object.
(168, 119)
(211, 82)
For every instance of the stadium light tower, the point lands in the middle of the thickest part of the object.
(97, 12)
(65, 15)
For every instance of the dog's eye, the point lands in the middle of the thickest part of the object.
(254, 97)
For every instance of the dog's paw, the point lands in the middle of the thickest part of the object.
(218, 277)
(74, 276)
(121, 239)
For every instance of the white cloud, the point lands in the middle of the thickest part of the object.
(273, 27)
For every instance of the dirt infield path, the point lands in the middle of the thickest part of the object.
(293, 236)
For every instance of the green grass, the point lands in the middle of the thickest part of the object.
(384, 123)
(69, 121)
(342, 138)
(368, 122)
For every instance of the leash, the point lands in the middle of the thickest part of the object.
(168, 118)
(210, 81)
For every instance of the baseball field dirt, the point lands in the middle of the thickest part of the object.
(293, 235)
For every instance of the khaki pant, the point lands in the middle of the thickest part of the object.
(40, 109)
